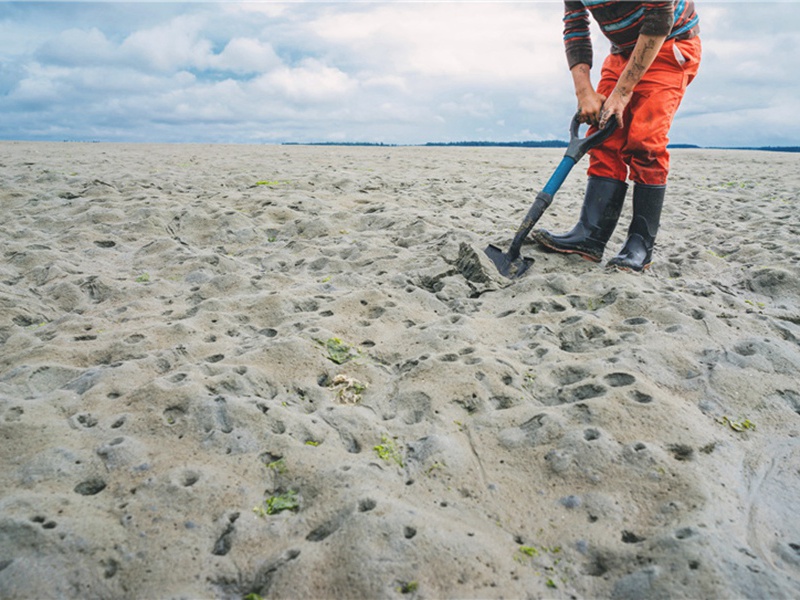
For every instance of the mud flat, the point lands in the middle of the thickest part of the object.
(291, 372)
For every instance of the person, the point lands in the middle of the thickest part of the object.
(655, 54)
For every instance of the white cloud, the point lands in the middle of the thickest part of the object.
(310, 82)
(174, 45)
(470, 105)
(489, 43)
(77, 46)
(245, 55)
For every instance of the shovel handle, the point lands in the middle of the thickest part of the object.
(578, 146)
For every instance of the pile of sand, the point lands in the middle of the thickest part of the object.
(292, 372)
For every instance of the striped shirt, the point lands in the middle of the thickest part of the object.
(622, 22)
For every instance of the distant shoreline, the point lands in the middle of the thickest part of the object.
(463, 144)
(532, 144)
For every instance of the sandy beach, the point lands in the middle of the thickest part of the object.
(290, 371)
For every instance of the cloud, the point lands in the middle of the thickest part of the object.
(378, 71)
(76, 46)
(174, 45)
(487, 43)
(245, 55)
(311, 82)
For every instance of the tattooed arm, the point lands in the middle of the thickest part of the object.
(643, 55)
(590, 103)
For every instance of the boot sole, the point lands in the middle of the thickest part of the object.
(583, 255)
(628, 269)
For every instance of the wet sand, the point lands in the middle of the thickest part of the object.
(291, 372)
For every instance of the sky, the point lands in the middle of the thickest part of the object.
(401, 72)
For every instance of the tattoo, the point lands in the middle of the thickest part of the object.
(639, 62)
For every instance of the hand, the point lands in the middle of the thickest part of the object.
(614, 105)
(590, 106)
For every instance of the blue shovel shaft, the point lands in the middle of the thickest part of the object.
(543, 200)
(558, 177)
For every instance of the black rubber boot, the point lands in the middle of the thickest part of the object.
(637, 253)
(602, 206)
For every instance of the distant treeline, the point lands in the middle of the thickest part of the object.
(544, 144)
(379, 144)
(768, 148)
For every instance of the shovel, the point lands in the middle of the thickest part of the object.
(510, 263)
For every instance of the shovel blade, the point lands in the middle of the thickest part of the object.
(511, 267)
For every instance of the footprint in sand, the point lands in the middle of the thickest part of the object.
(774, 503)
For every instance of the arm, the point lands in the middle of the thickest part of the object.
(578, 46)
(590, 103)
(643, 55)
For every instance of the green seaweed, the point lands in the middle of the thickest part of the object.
(277, 503)
(337, 350)
(278, 466)
(739, 426)
(408, 587)
(387, 451)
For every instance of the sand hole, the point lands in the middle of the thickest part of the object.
(636, 321)
(641, 397)
(501, 402)
(86, 420)
(619, 379)
(173, 414)
(189, 478)
(745, 349)
(598, 567)
(681, 452)
(375, 312)
(629, 537)
(581, 392)
(591, 434)
(327, 528)
(90, 487)
(366, 504)
(571, 375)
